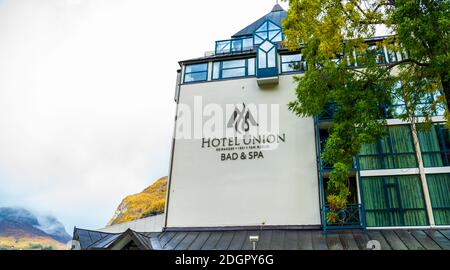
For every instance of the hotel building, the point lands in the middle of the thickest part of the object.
(275, 182)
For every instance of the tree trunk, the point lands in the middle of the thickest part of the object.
(423, 178)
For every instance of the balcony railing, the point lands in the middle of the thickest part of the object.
(350, 217)
(235, 45)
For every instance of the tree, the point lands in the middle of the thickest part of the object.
(333, 36)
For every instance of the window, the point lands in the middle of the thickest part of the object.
(223, 46)
(395, 109)
(350, 59)
(394, 201)
(247, 44)
(427, 102)
(392, 55)
(233, 68)
(292, 63)
(378, 52)
(435, 146)
(196, 73)
(373, 52)
(251, 67)
(268, 31)
(267, 55)
(393, 151)
(439, 188)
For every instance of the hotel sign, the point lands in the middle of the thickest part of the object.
(246, 145)
(237, 145)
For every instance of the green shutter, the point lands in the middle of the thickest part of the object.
(439, 188)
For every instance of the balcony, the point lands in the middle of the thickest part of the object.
(348, 218)
(235, 45)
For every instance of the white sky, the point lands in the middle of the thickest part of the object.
(86, 96)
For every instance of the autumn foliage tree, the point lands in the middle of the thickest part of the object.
(332, 35)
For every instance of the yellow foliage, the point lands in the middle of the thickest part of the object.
(149, 202)
(30, 243)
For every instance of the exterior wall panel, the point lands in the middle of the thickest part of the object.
(279, 189)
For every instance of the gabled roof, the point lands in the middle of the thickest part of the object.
(139, 239)
(276, 15)
(89, 238)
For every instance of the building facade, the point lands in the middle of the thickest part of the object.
(275, 176)
(244, 167)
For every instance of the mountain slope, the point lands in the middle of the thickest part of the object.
(149, 202)
(21, 229)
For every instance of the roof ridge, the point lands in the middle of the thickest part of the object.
(89, 230)
(276, 15)
(277, 8)
(102, 239)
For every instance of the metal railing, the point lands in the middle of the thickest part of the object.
(348, 218)
(235, 45)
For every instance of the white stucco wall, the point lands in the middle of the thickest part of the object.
(280, 189)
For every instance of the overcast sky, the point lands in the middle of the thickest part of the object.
(86, 96)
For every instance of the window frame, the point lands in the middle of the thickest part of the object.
(261, 33)
(378, 51)
(221, 69)
(272, 50)
(443, 141)
(390, 154)
(393, 189)
(196, 72)
(300, 62)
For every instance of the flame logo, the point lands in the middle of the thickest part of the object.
(241, 120)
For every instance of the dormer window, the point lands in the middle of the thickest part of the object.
(266, 37)
(268, 31)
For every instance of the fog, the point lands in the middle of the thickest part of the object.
(86, 96)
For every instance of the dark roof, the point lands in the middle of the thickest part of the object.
(273, 239)
(141, 240)
(237, 55)
(276, 15)
(88, 238)
(105, 242)
(276, 8)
